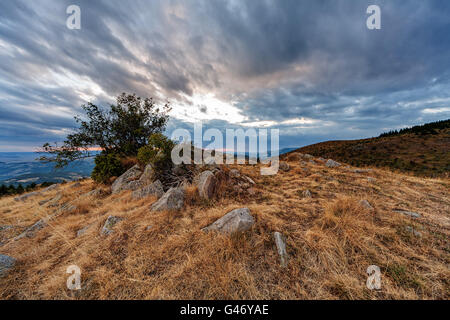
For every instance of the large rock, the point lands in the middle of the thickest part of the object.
(171, 200)
(127, 181)
(206, 184)
(6, 264)
(281, 248)
(147, 176)
(153, 189)
(109, 224)
(332, 164)
(239, 220)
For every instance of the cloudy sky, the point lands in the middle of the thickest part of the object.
(310, 68)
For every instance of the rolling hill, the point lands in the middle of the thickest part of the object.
(422, 150)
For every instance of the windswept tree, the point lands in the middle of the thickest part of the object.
(122, 129)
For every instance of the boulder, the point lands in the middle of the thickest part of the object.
(109, 224)
(281, 248)
(26, 196)
(308, 156)
(284, 166)
(332, 164)
(153, 189)
(171, 200)
(6, 264)
(239, 220)
(206, 184)
(127, 181)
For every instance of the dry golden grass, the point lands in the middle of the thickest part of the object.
(331, 240)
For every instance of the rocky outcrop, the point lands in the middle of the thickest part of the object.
(281, 248)
(26, 196)
(332, 164)
(153, 189)
(206, 184)
(31, 231)
(411, 214)
(109, 224)
(239, 220)
(82, 231)
(6, 264)
(171, 200)
(51, 188)
(127, 181)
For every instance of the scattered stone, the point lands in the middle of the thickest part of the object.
(284, 166)
(171, 200)
(251, 191)
(148, 228)
(312, 162)
(366, 204)
(414, 232)
(322, 159)
(307, 194)
(414, 215)
(109, 224)
(362, 170)
(206, 184)
(250, 180)
(234, 173)
(153, 189)
(6, 264)
(239, 220)
(332, 164)
(5, 228)
(371, 180)
(308, 156)
(95, 193)
(26, 196)
(281, 248)
(127, 181)
(82, 231)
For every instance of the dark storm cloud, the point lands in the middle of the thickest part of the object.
(275, 60)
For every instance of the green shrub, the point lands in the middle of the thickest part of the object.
(157, 153)
(107, 165)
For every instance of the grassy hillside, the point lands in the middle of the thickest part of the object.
(331, 240)
(422, 150)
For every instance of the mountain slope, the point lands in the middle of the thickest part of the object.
(424, 153)
(332, 238)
